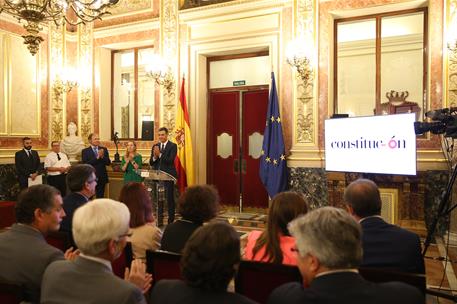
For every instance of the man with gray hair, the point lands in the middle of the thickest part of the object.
(384, 245)
(329, 251)
(100, 229)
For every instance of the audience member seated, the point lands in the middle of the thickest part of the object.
(329, 250)
(145, 234)
(24, 253)
(209, 262)
(198, 204)
(81, 181)
(274, 244)
(100, 229)
(384, 245)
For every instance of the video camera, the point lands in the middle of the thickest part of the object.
(444, 122)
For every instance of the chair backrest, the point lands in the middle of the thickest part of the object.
(10, 293)
(59, 239)
(256, 280)
(123, 261)
(163, 265)
(7, 214)
(379, 275)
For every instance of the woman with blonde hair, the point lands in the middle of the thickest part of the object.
(275, 244)
(131, 161)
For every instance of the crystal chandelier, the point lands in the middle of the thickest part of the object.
(32, 13)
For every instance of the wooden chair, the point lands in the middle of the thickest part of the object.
(7, 214)
(125, 260)
(256, 280)
(10, 293)
(163, 265)
(379, 275)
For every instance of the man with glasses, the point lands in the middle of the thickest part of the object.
(100, 229)
(329, 244)
(81, 181)
(57, 165)
(98, 157)
(27, 163)
(24, 252)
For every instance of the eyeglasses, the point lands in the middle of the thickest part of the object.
(128, 234)
(91, 181)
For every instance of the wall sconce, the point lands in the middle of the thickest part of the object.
(299, 57)
(161, 73)
(65, 81)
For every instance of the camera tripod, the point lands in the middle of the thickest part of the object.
(443, 209)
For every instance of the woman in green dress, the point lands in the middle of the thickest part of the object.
(130, 162)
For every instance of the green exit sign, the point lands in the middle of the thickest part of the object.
(239, 83)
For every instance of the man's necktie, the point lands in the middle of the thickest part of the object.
(58, 156)
(28, 153)
(162, 147)
(95, 151)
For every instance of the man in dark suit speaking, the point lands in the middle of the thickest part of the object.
(27, 163)
(163, 156)
(98, 157)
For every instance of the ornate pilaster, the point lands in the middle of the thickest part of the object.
(169, 46)
(305, 103)
(57, 96)
(451, 47)
(85, 63)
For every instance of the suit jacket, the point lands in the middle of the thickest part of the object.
(176, 234)
(389, 246)
(176, 291)
(71, 202)
(84, 281)
(166, 162)
(26, 165)
(89, 157)
(346, 288)
(24, 256)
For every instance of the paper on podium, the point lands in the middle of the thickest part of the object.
(38, 180)
(144, 173)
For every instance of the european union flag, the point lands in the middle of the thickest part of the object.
(273, 167)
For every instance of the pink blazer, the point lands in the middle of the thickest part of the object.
(285, 242)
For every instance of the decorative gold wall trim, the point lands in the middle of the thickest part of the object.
(57, 97)
(389, 207)
(450, 59)
(85, 63)
(305, 101)
(169, 49)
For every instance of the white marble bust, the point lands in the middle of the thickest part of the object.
(72, 144)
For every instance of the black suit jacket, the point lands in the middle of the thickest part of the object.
(346, 288)
(389, 246)
(26, 165)
(89, 157)
(71, 202)
(176, 234)
(166, 162)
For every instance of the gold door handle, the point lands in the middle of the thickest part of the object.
(243, 166)
(236, 166)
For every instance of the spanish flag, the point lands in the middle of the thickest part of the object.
(184, 161)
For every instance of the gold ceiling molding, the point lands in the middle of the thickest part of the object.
(169, 45)
(129, 7)
(85, 62)
(450, 91)
(57, 94)
(305, 101)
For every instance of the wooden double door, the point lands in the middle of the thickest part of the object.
(236, 127)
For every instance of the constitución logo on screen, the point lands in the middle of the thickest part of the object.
(365, 143)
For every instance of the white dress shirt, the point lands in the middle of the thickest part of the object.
(52, 160)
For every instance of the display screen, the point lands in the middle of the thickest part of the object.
(374, 144)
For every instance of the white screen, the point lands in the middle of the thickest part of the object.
(375, 144)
